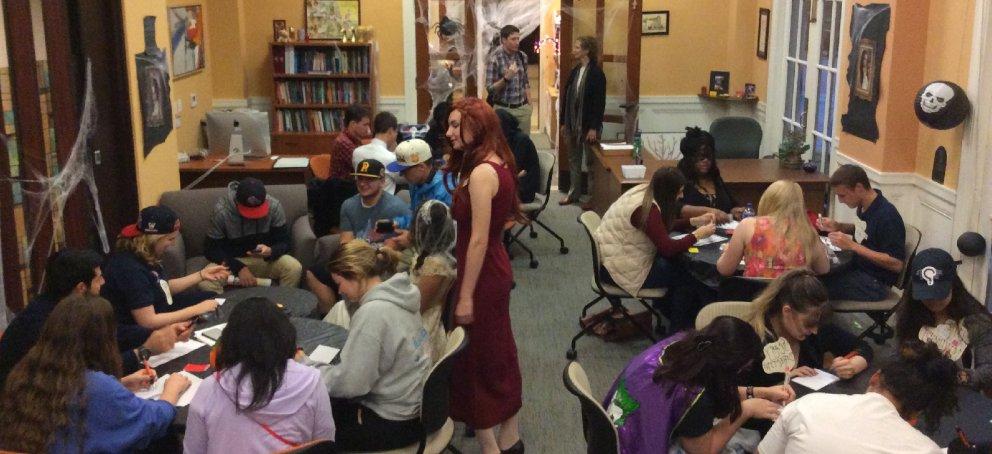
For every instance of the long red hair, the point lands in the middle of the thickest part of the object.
(487, 136)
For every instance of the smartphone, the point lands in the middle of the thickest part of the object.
(384, 226)
(214, 333)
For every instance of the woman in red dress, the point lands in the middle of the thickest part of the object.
(486, 384)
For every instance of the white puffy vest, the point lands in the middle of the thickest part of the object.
(626, 251)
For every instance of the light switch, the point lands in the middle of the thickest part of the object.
(177, 122)
(179, 106)
(192, 100)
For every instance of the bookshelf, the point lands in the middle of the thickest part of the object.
(313, 82)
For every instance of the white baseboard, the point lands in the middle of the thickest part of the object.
(923, 203)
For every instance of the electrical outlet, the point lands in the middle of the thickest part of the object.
(192, 100)
(179, 106)
(177, 122)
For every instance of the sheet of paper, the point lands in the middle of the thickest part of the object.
(324, 354)
(616, 146)
(154, 392)
(220, 301)
(712, 239)
(818, 381)
(730, 225)
(830, 245)
(180, 349)
(291, 163)
(209, 335)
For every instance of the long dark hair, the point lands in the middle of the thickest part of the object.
(44, 393)
(260, 338)
(913, 315)
(715, 357)
(923, 381)
(698, 143)
(663, 190)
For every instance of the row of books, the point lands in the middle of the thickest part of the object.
(290, 60)
(298, 120)
(322, 92)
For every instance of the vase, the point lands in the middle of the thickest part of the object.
(791, 162)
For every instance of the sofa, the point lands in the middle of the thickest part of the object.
(195, 208)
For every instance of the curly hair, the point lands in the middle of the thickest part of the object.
(143, 246)
(923, 381)
(44, 393)
(696, 143)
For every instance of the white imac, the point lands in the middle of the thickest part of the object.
(254, 131)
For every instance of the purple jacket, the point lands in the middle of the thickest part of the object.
(644, 414)
(300, 411)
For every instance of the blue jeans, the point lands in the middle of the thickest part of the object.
(686, 294)
(855, 284)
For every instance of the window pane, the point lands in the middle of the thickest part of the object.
(836, 38)
(804, 31)
(794, 20)
(833, 104)
(799, 115)
(790, 89)
(823, 100)
(825, 29)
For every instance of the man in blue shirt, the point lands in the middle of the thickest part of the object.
(879, 257)
(416, 164)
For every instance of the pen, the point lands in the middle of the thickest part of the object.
(148, 369)
(963, 437)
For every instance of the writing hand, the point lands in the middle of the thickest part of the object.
(841, 240)
(827, 224)
(803, 371)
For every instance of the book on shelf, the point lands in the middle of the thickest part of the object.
(322, 92)
(309, 120)
(320, 60)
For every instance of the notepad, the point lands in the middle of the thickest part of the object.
(730, 225)
(291, 163)
(616, 146)
(209, 335)
(324, 354)
(154, 392)
(180, 349)
(818, 381)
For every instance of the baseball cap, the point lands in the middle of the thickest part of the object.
(933, 273)
(251, 200)
(153, 220)
(370, 168)
(410, 153)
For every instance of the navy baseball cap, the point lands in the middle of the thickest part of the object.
(370, 168)
(153, 220)
(933, 273)
(251, 200)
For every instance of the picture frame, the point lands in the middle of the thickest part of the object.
(750, 91)
(187, 40)
(328, 19)
(864, 74)
(764, 18)
(720, 82)
(278, 25)
(654, 23)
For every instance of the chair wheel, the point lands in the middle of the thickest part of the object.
(533, 234)
(571, 354)
(563, 250)
(533, 263)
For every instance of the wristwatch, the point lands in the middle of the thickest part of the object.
(143, 353)
(749, 392)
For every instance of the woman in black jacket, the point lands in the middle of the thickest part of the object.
(525, 153)
(583, 101)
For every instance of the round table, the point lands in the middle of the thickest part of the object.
(298, 302)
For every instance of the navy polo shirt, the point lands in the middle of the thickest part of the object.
(131, 284)
(886, 233)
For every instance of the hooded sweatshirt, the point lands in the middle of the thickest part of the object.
(300, 411)
(385, 360)
(231, 236)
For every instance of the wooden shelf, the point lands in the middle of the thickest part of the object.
(291, 134)
(321, 76)
(316, 105)
(319, 44)
(753, 100)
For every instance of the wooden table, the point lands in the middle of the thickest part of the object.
(226, 173)
(747, 179)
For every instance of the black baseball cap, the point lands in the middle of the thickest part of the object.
(933, 273)
(153, 220)
(251, 200)
(370, 168)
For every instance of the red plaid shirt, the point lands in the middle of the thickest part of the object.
(341, 152)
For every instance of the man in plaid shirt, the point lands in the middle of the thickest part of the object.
(506, 77)
(357, 119)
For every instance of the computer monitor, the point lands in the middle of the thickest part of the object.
(254, 131)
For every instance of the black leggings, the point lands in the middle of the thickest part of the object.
(360, 429)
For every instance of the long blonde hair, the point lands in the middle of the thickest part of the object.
(358, 261)
(784, 202)
(799, 289)
(142, 246)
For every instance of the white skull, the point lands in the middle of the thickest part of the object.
(935, 97)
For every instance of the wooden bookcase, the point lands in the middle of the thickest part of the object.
(314, 81)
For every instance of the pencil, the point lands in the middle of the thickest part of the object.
(148, 369)
(851, 355)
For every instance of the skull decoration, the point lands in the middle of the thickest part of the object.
(935, 97)
(941, 105)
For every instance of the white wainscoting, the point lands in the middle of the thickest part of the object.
(923, 203)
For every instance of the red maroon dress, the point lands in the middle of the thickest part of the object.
(485, 382)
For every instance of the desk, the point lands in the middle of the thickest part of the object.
(226, 173)
(747, 179)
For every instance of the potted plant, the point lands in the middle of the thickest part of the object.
(791, 150)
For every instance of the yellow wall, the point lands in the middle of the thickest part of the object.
(159, 171)
(201, 84)
(225, 48)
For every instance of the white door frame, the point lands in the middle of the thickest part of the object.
(973, 209)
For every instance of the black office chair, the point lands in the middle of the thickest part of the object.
(600, 433)
(534, 209)
(736, 137)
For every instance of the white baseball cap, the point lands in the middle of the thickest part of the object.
(410, 153)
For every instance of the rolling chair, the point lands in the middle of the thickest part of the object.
(736, 137)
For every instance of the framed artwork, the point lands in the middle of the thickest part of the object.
(278, 25)
(864, 75)
(654, 23)
(720, 82)
(327, 19)
(187, 40)
(764, 15)
(750, 90)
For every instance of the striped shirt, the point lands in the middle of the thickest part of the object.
(515, 91)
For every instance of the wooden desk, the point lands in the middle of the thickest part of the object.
(226, 173)
(747, 179)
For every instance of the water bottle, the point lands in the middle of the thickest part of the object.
(636, 153)
(236, 148)
(748, 211)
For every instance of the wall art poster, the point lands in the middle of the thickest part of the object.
(153, 90)
(869, 25)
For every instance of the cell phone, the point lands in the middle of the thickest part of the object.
(214, 333)
(384, 226)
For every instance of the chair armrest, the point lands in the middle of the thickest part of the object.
(327, 245)
(174, 258)
(304, 241)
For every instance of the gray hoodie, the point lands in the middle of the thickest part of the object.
(385, 360)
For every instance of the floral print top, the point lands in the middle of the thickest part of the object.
(769, 254)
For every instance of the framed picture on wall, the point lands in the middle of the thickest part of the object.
(654, 23)
(278, 27)
(720, 82)
(764, 14)
(328, 19)
(187, 40)
(864, 74)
